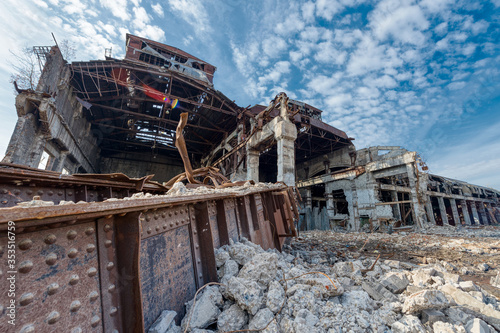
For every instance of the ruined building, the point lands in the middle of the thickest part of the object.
(109, 116)
(101, 247)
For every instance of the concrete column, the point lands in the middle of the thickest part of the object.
(442, 210)
(474, 212)
(465, 211)
(491, 213)
(430, 211)
(418, 209)
(454, 210)
(252, 164)
(482, 213)
(308, 209)
(330, 205)
(397, 211)
(285, 134)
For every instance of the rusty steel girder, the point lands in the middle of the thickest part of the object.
(114, 266)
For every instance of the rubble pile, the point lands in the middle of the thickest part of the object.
(311, 288)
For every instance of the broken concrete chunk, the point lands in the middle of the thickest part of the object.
(456, 315)
(221, 256)
(468, 286)
(164, 322)
(261, 319)
(443, 327)
(476, 325)
(358, 299)
(306, 318)
(395, 284)
(408, 324)
(426, 299)
(230, 268)
(484, 267)
(378, 292)
(430, 316)
(423, 277)
(262, 268)
(275, 296)
(205, 311)
(242, 253)
(323, 283)
(248, 294)
(232, 319)
(495, 280)
(463, 298)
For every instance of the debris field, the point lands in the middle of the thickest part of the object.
(436, 280)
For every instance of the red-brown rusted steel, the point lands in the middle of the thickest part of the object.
(115, 265)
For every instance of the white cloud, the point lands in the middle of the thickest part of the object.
(273, 46)
(404, 24)
(194, 13)
(118, 8)
(158, 9)
(328, 8)
(308, 11)
(328, 53)
(290, 25)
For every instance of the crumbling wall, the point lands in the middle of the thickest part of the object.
(51, 120)
(336, 159)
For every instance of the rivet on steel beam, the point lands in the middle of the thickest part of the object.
(201, 275)
(76, 330)
(50, 239)
(25, 244)
(157, 228)
(29, 192)
(108, 216)
(176, 212)
(59, 193)
(26, 299)
(95, 321)
(53, 317)
(89, 231)
(27, 329)
(111, 288)
(75, 306)
(72, 253)
(177, 222)
(148, 218)
(155, 216)
(122, 214)
(164, 226)
(50, 193)
(107, 227)
(16, 192)
(51, 259)
(71, 222)
(199, 261)
(195, 232)
(110, 266)
(171, 224)
(108, 243)
(90, 248)
(197, 246)
(25, 266)
(73, 279)
(113, 311)
(52, 288)
(91, 272)
(149, 230)
(163, 215)
(93, 296)
(169, 214)
(40, 192)
(70, 193)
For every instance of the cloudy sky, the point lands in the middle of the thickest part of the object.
(424, 75)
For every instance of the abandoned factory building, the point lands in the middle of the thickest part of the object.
(120, 116)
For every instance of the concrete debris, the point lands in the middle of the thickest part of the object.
(164, 323)
(205, 311)
(495, 280)
(289, 292)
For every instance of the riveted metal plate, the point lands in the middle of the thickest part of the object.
(195, 247)
(214, 227)
(167, 273)
(111, 279)
(231, 219)
(11, 195)
(154, 222)
(57, 285)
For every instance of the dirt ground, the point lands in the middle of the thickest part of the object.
(466, 250)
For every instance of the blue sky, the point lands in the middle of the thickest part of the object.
(424, 75)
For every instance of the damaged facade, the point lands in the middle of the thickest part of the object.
(88, 124)
(389, 186)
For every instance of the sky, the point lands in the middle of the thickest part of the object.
(424, 75)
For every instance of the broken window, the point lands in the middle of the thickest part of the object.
(45, 161)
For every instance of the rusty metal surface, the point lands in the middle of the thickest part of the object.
(57, 281)
(119, 264)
